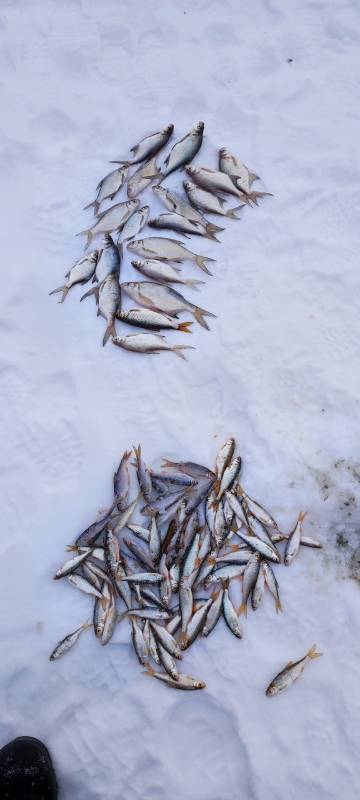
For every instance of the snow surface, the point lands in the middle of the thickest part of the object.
(80, 83)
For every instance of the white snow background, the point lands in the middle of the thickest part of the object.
(80, 83)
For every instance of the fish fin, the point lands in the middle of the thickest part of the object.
(93, 290)
(200, 261)
(253, 177)
(86, 232)
(231, 212)
(110, 331)
(302, 516)
(253, 196)
(121, 162)
(177, 348)
(211, 235)
(314, 653)
(149, 671)
(63, 289)
(103, 602)
(199, 315)
(193, 284)
(184, 327)
(278, 606)
(243, 609)
(213, 228)
(95, 205)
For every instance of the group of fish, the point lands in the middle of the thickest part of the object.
(160, 303)
(167, 560)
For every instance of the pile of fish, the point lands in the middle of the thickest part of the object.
(167, 559)
(158, 303)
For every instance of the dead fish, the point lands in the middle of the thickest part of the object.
(184, 150)
(237, 508)
(139, 643)
(109, 259)
(163, 272)
(305, 541)
(229, 475)
(148, 146)
(227, 572)
(120, 520)
(235, 557)
(140, 531)
(215, 181)
(149, 343)
(168, 662)
(122, 481)
(196, 625)
(100, 610)
(111, 220)
(242, 177)
(173, 202)
(258, 590)
(151, 612)
(80, 583)
(143, 577)
(68, 642)
(154, 541)
(81, 272)
(109, 187)
(111, 552)
(214, 613)
(165, 299)
(189, 468)
(224, 457)
(230, 615)
(190, 561)
(272, 584)
(249, 580)
(185, 682)
(220, 526)
(174, 624)
(142, 178)
(109, 299)
(208, 202)
(167, 250)
(152, 320)
(293, 542)
(256, 509)
(111, 617)
(186, 602)
(166, 639)
(284, 679)
(260, 546)
(258, 529)
(134, 225)
(176, 222)
(151, 642)
(72, 564)
(143, 474)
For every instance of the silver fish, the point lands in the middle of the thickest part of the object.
(165, 299)
(249, 580)
(143, 577)
(256, 509)
(272, 584)
(163, 272)
(100, 610)
(227, 572)
(229, 475)
(80, 583)
(215, 181)
(123, 517)
(168, 662)
(143, 474)
(109, 298)
(260, 546)
(81, 272)
(174, 202)
(305, 541)
(174, 624)
(111, 618)
(140, 531)
(214, 613)
(111, 220)
(109, 259)
(109, 187)
(139, 643)
(166, 639)
(188, 573)
(174, 573)
(284, 679)
(176, 222)
(149, 343)
(237, 508)
(224, 457)
(241, 176)
(186, 606)
(230, 615)
(293, 542)
(167, 250)
(235, 557)
(142, 178)
(134, 225)
(259, 530)
(151, 642)
(71, 565)
(258, 590)
(152, 320)
(68, 642)
(184, 150)
(196, 625)
(190, 468)
(220, 527)
(208, 202)
(148, 146)
(154, 541)
(185, 682)
(151, 612)
(165, 587)
(122, 481)
(111, 552)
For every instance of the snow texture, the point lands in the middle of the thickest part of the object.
(277, 83)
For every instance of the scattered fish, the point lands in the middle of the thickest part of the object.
(284, 679)
(111, 220)
(108, 187)
(148, 146)
(81, 272)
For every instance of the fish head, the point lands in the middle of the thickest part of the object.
(130, 284)
(271, 690)
(190, 169)
(199, 127)
(137, 264)
(188, 186)
(134, 245)
(169, 129)
(224, 153)
(159, 190)
(145, 210)
(198, 684)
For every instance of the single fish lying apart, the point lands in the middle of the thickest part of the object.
(166, 562)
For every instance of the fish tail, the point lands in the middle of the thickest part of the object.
(254, 196)
(211, 234)
(200, 261)
(110, 331)
(184, 327)
(149, 671)
(278, 606)
(183, 641)
(93, 290)
(231, 212)
(86, 232)
(199, 315)
(193, 284)
(179, 347)
(95, 205)
(127, 163)
(302, 516)
(314, 653)
(213, 228)
(243, 609)
(63, 289)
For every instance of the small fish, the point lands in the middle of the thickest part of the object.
(122, 481)
(188, 573)
(190, 468)
(68, 642)
(237, 508)
(154, 541)
(151, 612)
(173, 202)
(162, 272)
(123, 517)
(80, 583)
(148, 146)
(215, 181)
(152, 320)
(293, 542)
(139, 643)
(140, 531)
(142, 178)
(166, 639)
(184, 150)
(235, 557)
(167, 250)
(260, 546)
(109, 298)
(230, 614)
(208, 202)
(186, 607)
(149, 343)
(284, 679)
(258, 529)
(174, 573)
(196, 625)
(242, 177)
(256, 509)
(229, 476)
(81, 272)
(185, 682)
(72, 564)
(143, 474)
(227, 572)
(111, 618)
(224, 457)
(176, 222)
(220, 527)
(109, 187)
(111, 220)
(143, 577)
(258, 590)
(165, 299)
(174, 624)
(168, 662)
(134, 225)
(272, 584)
(111, 552)
(109, 259)
(249, 580)
(151, 642)
(214, 613)
(101, 609)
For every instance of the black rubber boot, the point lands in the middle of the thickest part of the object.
(26, 771)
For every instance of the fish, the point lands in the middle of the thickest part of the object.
(235, 557)
(72, 564)
(236, 506)
(68, 642)
(185, 682)
(215, 181)
(163, 272)
(190, 468)
(214, 613)
(140, 531)
(100, 610)
(190, 560)
(111, 617)
(242, 177)
(109, 259)
(180, 224)
(184, 150)
(256, 509)
(250, 577)
(258, 590)
(151, 612)
(167, 250)
(81, 272)
(305, 541)
(209, 202)
(152, 320)
(108, 187)
(227, 572)
(293, 542)
(220, 526)
(109, 299)
(154, 541)
(143, 577)
(149, 343)
(165, 299)
(174, 624)
(173, 202)
(168, 662)
(284, 679)
(80, 583)
(123, 517)
(143, 474)
(134, 225)
(260, 546)
(196, 625)
(230, 614)
(139, 643)
(142, 178)
(111, 220)
(224, 457)
(148, 146)
(229, 476)
(272, 584)
(166, 639)
(111, 552)
(95, 575)
(258, 529)
(122, 481)
(174, 573)
(186, 607)
(165, 586)
(151, 642)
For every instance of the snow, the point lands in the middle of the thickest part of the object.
(81, 82)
